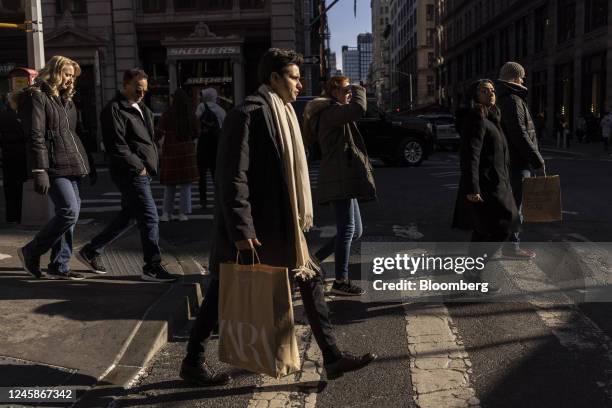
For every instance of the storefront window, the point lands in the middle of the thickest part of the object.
(193, 76)
(252, 4)
(564, 82)
(596, 14)
(538, 92)
(593, 84)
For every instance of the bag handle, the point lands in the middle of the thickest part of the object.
(254, 251)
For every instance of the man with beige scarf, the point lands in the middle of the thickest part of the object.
(263, 201)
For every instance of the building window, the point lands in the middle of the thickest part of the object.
(74, 6)
(490, 52)
(520, 31)
(430, 12)
(430, 85)
(593, 84)
(227, 4)
(596, 14)
(430, 59)
(564, 95)
(538, 92)
(541, 24)
(430, 37)
(153, 6)
(468, 64)
(460, 68)
(504, 46)
(478, 59)
(566, 20)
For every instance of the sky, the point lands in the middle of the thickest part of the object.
(344, 27)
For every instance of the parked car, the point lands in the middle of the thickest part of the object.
(402, 140)
(444, 130)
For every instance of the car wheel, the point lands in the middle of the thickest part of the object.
(411, 152)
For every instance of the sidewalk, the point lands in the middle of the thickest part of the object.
(94, 334)
(593, 150)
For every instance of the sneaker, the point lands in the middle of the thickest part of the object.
(29, 264)
(348, 363)
(202, 375)
(183, 217)
(518, 253)
(164, 217)
(346, 288)
(70, 275)
(91, 260)
(156, 273)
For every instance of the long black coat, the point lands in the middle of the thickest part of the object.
(252, 198)
(13, 144)
(485, 170)
(49, 124)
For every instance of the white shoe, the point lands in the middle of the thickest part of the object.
(164, 218)
(183, 217)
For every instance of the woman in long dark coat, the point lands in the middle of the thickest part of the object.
(484, 202)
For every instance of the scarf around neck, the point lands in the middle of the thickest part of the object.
(296, 173)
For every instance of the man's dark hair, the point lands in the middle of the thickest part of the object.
(130, 74)
(277, 60)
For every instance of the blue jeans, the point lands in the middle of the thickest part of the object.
(516, 181)
(57, 233)
(170, 192)
(136, 203)
(349, 227)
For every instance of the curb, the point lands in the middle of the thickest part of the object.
(168, 313)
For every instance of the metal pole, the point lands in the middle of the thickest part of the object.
(36, 45)
(410, 87)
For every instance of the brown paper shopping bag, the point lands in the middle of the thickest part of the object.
(256, 327)
(541, 199)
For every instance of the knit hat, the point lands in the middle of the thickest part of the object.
(511, 70)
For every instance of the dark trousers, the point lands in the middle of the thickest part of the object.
(349, 227)
(516, 181)
(57, 233)
(314, 305)
(207, 160)
(137, 203)
(12, 184)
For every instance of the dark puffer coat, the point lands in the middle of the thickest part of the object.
(518, 126)
(49, 124)
(484, 170)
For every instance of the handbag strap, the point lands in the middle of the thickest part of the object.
(256, 256)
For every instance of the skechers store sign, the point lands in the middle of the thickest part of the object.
(203, 51)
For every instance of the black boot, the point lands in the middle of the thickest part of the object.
(201, 374)
(347, 362)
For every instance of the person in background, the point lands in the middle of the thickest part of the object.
(342, 182)
(518, 127)
(127, 129)
(14, 167)
(176, 133)
(211, 117)
(484, 204)
(58, 161)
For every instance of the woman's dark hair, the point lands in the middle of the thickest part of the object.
(478, 107)
(277, 60)
(182, 109)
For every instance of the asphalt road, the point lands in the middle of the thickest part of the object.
(525, 353)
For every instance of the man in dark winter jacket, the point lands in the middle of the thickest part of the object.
(518, 126)
(263, 201)
(127, 129)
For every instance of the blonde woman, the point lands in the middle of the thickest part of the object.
(57, 161)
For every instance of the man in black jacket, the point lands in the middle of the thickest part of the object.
(525, 157)
(255, 207)
(127, 129)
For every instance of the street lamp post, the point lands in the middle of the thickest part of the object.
(34, 33)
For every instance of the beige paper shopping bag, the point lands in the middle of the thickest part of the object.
(541, 199)
(256, 327)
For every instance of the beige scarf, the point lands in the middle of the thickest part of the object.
(296, 174)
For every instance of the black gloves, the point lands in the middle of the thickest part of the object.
(41, 182)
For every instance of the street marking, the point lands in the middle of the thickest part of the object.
(116, 208)
(440, 367)
(570, 212)
(307, 377)
(5, 256)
